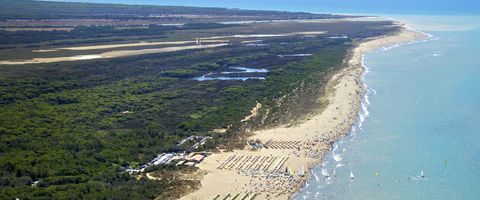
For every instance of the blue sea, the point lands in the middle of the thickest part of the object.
(422, 113)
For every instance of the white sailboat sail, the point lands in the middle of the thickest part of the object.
(325, 172)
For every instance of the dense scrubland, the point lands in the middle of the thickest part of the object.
(75, 126)
(27, 9)
(95, 34)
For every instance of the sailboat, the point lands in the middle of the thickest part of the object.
(422, 175)
(419, 177)
(325, 172)
(351, 175)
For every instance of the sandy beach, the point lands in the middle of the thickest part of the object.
(280, 166)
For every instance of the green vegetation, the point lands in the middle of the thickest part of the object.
(27, 9)
(68, 130)
(96, 32)
(66, 126)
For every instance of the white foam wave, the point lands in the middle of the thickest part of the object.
(365, 107)
(412, 29)
(429, 37)
(327, 180)
(367, 100)
(436, 54)
(317, 179)
(366, 69)
(390, 47)
(338, 157)
(363, 115)
(324, 164)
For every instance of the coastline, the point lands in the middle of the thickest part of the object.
(299, 148)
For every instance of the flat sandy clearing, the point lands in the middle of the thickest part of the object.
(109, 54)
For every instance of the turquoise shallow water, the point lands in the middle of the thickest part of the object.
(424, 114)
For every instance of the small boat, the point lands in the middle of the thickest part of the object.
(351, 175)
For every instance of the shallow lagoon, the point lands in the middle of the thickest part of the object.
(257, 74)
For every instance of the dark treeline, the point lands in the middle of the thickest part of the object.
(27, 9)
(92, 32)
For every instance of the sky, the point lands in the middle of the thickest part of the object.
(451, 7)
